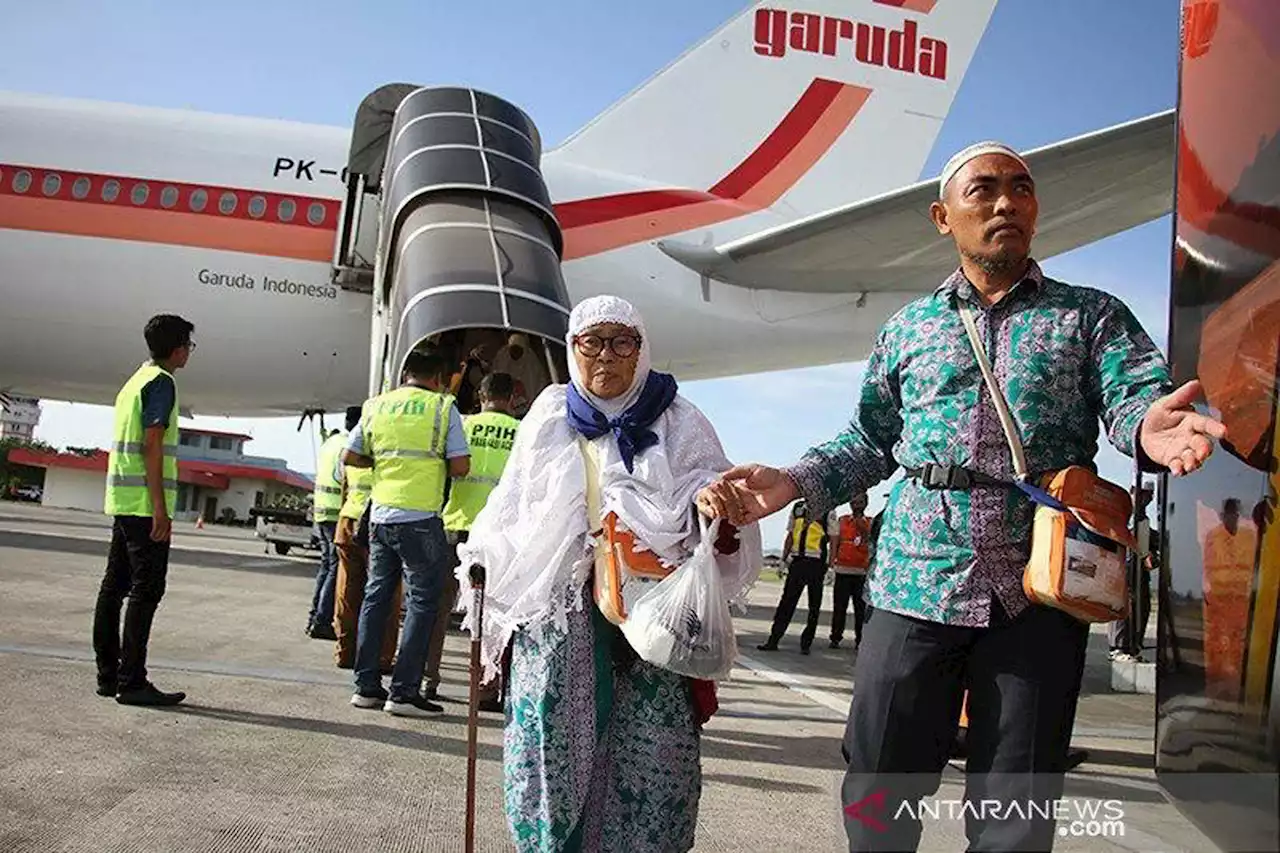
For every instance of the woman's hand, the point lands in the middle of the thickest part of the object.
(719, 500)
(758, 491)
(747, 493)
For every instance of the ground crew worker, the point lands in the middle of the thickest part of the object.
(412, 438)
(326, 505)
(851, 556)
(808, 569)
(352, 543)
(142, 494)
(490, 435)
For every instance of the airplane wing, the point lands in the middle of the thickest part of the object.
(1089, 187)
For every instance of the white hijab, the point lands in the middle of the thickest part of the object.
(532, 536)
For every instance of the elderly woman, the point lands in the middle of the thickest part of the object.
(601, 748)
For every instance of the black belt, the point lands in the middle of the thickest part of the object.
(934, 476)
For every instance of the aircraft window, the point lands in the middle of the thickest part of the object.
(140, 194)
(21, 181)
(257, 206)
(198, 200)
(168, 196)
(285, 212)
(315, 213)
(227, 203)
(52, 183)
(111, 190)
(81, 187)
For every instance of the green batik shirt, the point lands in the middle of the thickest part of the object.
(1064, 356)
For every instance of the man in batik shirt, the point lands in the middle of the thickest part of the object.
(945, 588)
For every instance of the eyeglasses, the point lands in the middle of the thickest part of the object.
(623, 346)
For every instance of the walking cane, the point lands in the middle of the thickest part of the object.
(473, 714)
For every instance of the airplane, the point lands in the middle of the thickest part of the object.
(758, 200)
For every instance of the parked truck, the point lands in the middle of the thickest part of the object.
(285, 529)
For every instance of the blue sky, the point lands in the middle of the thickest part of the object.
(1045, 71)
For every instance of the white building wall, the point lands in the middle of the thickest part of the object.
(240, 495)
(72, 489)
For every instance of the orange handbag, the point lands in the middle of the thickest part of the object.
(623, 568)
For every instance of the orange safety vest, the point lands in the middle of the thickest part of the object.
(854, 554)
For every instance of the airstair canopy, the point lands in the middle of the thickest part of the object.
(468, 236)
(372, 131)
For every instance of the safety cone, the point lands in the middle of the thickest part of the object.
(200, 521)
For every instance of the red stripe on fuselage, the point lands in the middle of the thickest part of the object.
(590, 225)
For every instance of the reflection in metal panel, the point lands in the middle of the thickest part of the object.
(1218, 690)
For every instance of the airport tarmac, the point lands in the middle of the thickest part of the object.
(267, 754)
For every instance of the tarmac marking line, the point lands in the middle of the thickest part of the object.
(838, 704)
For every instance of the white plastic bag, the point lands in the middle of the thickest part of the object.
(682, 623)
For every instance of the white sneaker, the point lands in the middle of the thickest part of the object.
(369, 700)
(1124, 657)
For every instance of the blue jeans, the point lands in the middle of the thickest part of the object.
(418, 549)
(326, 575)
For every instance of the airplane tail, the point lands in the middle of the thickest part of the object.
(793, 105)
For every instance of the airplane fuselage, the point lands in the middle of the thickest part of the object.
(112, 213)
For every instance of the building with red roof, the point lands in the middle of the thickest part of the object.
(216, 479)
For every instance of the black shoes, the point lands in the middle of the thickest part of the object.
(770, 646)
(322, 632)
(147, 695)
(414, 706)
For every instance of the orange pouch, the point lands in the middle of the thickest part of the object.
(620, 562)
(1079, 547)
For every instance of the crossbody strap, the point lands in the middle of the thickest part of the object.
(1002, 407)
(592, 466)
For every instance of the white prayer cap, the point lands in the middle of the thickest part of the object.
(976, 150)
(599, 310)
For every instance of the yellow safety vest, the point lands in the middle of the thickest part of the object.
(126, 467)
(327, 498)
(806, 541)
(490, 435)
(359, 484)
(406, 431)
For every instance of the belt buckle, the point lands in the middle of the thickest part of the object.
(933, 476)
(940, 477)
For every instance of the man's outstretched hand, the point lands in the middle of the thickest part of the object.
(747, 493)
(1175, 435)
